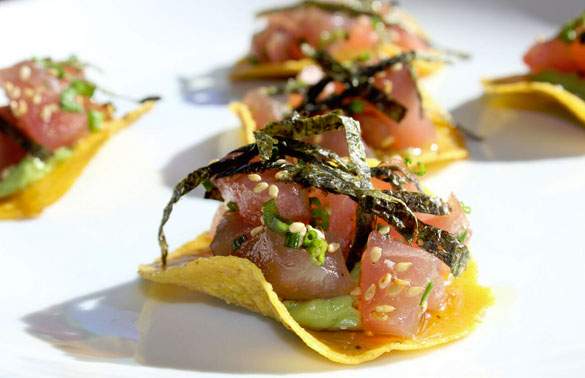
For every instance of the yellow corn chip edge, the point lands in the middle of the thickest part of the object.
(239, 281)
(31, 201)
(451, 145)
(520, 85)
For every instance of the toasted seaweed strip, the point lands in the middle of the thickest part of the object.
(24, 141)
(420, 202)
(445, 246)
(386, 173)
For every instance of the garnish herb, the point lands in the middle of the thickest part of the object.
(293, 240)
(83, 87)
(238, 242)
(462, 236)
(232, 206)
(69, 101)
(569, 31)
(95, 118)
(426, 293)
(466, 209)
(326, 171)
(420, 169)
(320, 216)
(355, 107)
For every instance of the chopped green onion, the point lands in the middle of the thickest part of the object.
(83, 87)
(310, 237)
(69, 101)
(232, 206)
(271, 216)
(238, 242)
(314, 201)
(462, 236)
(208, 185)
(356, 271)
(466, 209)
(293, 240)
(253, 60)
(320, 216)
(426, 293)
(421, 169)
(95, 118)
(356, 106)
(363, 58)
(317, 251)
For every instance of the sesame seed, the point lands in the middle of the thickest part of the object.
(375, 254)
(273, 191)
(394, 290)
(20, 109)
(384, 230)
(356, 291)
(370, 292)
(281, 161)
(254, 177)
(400, 282)
(388, 87)
(388, 141)
(25, 73)
(256, 230)
(297, 228)
(402, 267)
(282, 175)
(385, 281)
(333, 247)
(318, 139)
(213, 161)
(397, 67)
(16, 92)
(29, 92)
(260, 187)
(379, 316)
(47, 112)
(14, 106)
(415, 290)
(9, 86)
(385, 308)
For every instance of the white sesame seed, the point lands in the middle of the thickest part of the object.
(384, 230)
(356, 291)
(262, 220)
(16, 92)
(370, 292)
(14, 106)
(297, 228)
(282, 175)
(415, 290)
(273, 191)
(375, 254)
(400, 282)
(25, 73)
(394, 290)
(254, 177)
(281, 161)
(333, 247)
(388, 141)
(388, 87)
(9, 86)
(380, 316)
(29, 92)
(256, 230)
(320, 234)
(397, 67)
(47, 112)
(318, 138)
(213, 161)
(260, 187)
(19, 108)
(385, 281)
(385, 308)
(402, 267)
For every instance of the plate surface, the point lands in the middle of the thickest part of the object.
(73, 305)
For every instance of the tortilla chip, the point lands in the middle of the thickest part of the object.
(449, 140)
(521, 85)
(30, 201)
(239, 281)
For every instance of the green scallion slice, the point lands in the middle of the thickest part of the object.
(293, 240)
(69, 101)
(426, 293)
(232, 206)
(83, 87)
(95, 118)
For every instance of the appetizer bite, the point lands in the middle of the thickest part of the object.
(557, 70)
(355, 258)
(395, 116)
(347, 29)
(49, 131)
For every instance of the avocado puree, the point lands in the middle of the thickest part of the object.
(571, 82)
(29, 170)
(326, 314)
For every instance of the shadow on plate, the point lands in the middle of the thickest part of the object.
(171, 327)
(199, 155)
(515, 128)
(215, 88)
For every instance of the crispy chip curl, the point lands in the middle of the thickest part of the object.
(31, 201)
(239, 281)
(522, 85)
(449, 139)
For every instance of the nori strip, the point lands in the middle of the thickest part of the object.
(323, 170)
(386, 173)
(28, 144)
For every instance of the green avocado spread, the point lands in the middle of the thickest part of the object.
(569, 81)
(29, 170)
(326, 314)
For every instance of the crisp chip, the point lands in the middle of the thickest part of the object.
(239, 281)
(522, 85)
(450, 144)
(31, 201)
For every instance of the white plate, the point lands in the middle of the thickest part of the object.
(72, 304)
